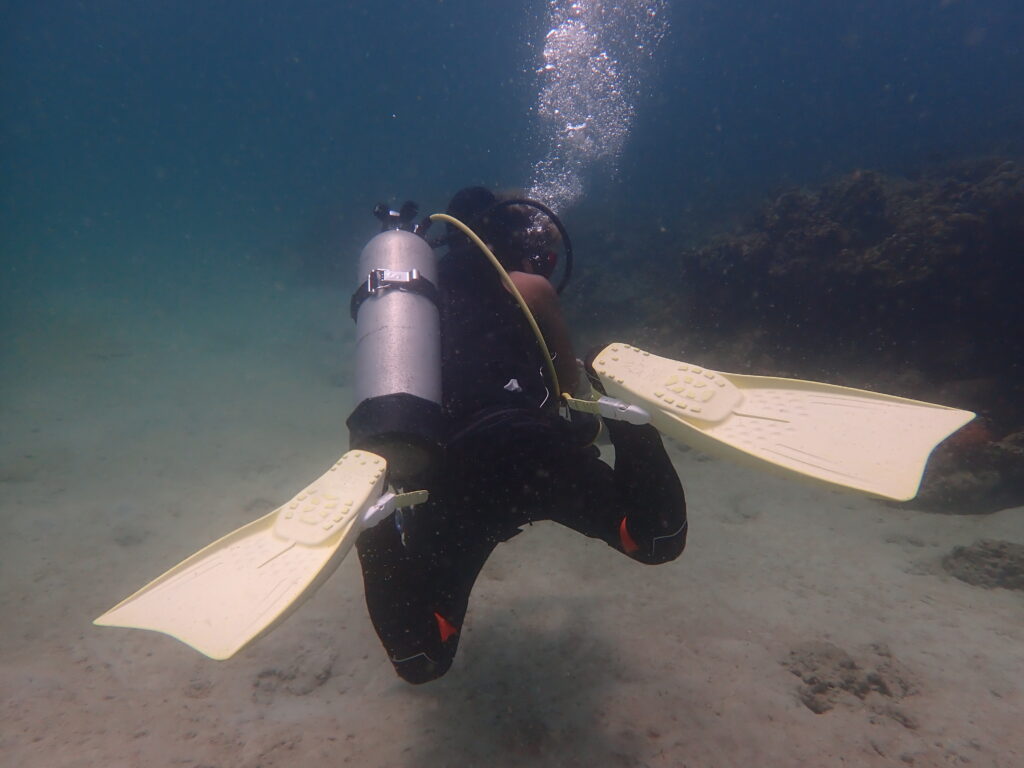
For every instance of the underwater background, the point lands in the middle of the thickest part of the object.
(263, 126)
(825, 190)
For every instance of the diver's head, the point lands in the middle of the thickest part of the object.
(518, 239)
(533, 239)
(475, 207)
(467, 205)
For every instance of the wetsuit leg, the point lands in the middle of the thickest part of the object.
(417, 596)
(638, 507)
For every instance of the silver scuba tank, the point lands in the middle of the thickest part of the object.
(398, 354)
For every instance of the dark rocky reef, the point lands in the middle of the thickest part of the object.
(907, 285)
(925, 273)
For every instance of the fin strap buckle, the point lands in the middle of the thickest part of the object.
(388, 503)
(610, 408)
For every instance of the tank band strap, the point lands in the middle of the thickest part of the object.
(381, 280)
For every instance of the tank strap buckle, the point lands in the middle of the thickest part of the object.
(379, 280)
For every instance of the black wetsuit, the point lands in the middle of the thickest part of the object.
(509, 460)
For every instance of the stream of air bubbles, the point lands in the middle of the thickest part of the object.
(595, 56)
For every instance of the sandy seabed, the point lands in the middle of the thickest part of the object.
(801, 627)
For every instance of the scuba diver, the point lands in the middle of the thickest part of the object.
(508, 457)
(472, 420)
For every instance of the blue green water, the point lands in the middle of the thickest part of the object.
(184, 190)
(269, 126)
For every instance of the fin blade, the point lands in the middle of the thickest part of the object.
(860, 440)
(865, 441)
(245, 583)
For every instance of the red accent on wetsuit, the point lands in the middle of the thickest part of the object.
(628, 545)
(445, 627)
